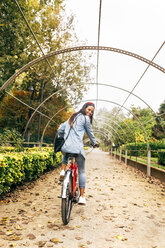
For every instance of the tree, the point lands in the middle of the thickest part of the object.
(158, 131)
(54, 31)
(13, 38)
(16, 115)
(128, 129)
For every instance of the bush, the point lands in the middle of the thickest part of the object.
(161, 158)
(12, 136)
(20, 167)
(140, 149)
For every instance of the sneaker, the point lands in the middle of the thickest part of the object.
(82, 201)
(62, 173)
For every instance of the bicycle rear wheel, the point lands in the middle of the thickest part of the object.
(66, 205)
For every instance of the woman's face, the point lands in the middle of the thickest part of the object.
(89, 110)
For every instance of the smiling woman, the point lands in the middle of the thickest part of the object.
(89, 110)
(73, 132)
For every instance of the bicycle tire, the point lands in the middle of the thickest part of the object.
(66, 205)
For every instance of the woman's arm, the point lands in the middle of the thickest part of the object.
(61, 129)
(88, 129)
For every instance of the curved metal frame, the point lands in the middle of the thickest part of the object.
(73, 87)
(100, 132)
(54, 116)
(49, 122)
(112, 129)
(120, 119)
(67, 106)
(97, 139)
(106, 118)
(146, 138)
(108, 130)
(78, 49)
(110, 125)
(72, 49)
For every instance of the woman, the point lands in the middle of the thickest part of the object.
(79, 123)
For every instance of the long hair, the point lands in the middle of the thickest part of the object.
(82, 111)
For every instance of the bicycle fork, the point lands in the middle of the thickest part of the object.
(65, 183)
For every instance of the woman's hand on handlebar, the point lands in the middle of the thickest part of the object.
(95, 145)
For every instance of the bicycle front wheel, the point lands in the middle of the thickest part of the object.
(66, 206)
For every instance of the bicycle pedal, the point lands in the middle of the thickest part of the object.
(59, 196)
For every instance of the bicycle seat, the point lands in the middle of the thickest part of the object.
(72, 155)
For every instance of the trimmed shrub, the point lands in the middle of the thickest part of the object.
(140, 149)
(20, 167)
(161, 158)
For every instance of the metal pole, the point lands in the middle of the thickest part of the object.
(40, 109)
(149, 163)
(115, 153)
(126, 152)
(120, 154)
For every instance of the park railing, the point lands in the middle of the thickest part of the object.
(155, 158)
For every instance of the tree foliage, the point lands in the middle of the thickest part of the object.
(141, 126)
(11, 136)
(54, 31)
(158, 131)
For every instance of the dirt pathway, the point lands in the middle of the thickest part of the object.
(124, 210)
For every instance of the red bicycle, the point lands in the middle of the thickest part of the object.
(70, 188)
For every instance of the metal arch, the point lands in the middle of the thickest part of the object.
(119, 88)
(57, 114)
(28, 105)
(112, 129)
(79, 48)
(104, 101)
(95, 130)
(73, 87)
(52, 118)
(120, 119)
(146, 138)
(103, 134)
(142, 75)
(98, 131)
(49, 122)
(87, 139)
(104, 129)
(110, 126)
(130, 113)
(106, 118)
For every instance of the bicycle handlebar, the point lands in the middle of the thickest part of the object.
(90, 145)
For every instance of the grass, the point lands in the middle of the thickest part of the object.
(154, 161)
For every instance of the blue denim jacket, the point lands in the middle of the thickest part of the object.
(74, 141)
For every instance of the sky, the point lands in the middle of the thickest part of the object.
(133, 25)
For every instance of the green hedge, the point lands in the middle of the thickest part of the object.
(161, 158)
(142, 149)
(20, 167)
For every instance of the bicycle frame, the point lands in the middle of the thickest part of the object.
(73, 170)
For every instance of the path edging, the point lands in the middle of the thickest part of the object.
(155, 172)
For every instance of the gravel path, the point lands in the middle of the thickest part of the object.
(124, 210)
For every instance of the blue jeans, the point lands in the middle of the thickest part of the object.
(80, 160)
